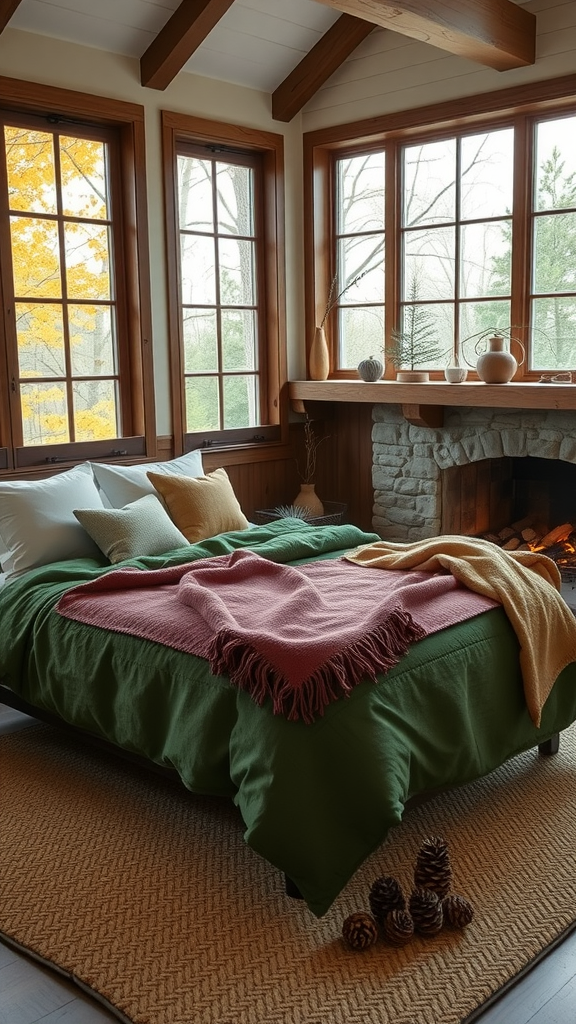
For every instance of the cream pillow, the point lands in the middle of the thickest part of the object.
(202, 507)
(121, 485)
(37, 522)
(141, 528)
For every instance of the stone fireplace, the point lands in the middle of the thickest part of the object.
(462, 477)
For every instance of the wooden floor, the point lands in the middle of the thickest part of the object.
(33, 994)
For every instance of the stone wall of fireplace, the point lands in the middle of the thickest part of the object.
(408, 461)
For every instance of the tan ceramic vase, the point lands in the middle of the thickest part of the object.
(307, 498)
(496, 366)
(319, 359)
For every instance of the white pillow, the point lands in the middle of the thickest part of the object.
(141, 528)
(37, 522)
(122, 485)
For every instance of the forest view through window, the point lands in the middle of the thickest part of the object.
(471, 247)
(219, 264)
(62, 285)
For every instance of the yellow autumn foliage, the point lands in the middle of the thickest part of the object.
(61, 255)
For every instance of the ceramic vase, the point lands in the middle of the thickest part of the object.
(497, 365)
(307, 498)
(454, 373)
(319, 358)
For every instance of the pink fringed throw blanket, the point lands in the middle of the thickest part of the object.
(301, 636)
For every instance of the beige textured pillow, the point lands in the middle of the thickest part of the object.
(201, 507)
(141, 528)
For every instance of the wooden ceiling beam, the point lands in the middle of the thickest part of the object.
(7, 8)
(316, 67)
(496, 33)
(176, 42)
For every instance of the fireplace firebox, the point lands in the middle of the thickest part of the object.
(483, 469)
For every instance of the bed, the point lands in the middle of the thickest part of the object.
(316, 797)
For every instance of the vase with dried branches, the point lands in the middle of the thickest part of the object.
(319, 358)
(307, 498)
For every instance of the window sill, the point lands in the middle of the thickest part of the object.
(423, 404)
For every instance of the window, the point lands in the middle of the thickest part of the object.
(219, 258)
(457, 229)
(360, 255)
(553, 245)
(74, 323)
(455, 233)
(224, 255)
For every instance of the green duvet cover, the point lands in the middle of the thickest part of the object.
(316, 799)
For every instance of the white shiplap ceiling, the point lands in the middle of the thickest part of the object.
(289, 48)
(256, 43)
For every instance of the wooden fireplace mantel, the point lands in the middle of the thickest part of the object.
(423, 404)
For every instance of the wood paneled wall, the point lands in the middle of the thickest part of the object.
(344, 464)
(270, 476)
(345, 458)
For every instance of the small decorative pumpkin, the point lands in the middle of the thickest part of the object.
(370, 369)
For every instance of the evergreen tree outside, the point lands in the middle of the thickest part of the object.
(553, 334)
(554, 315)
(456, 238)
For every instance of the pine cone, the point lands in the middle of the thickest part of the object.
(458, 912)
(398, 927)
(433, 869)
(359, 930)
(385, 895)
(426, 910)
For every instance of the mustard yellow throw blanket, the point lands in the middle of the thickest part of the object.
(525, 583)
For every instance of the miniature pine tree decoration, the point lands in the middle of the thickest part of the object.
(433, 869)
(416, 345)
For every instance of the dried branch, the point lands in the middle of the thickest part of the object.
(311, 445)
(334, 299)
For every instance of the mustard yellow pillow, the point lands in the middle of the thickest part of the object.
(200, 506)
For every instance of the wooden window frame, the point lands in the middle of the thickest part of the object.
(517, 107)
(136, 384)
(179, 130)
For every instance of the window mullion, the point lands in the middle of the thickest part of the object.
(64, 289)
(392, 240)
(218, 295)
(521, 276)
(457, 250)
(10, 414)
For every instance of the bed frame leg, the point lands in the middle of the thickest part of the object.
(550, 746)
(292, 889)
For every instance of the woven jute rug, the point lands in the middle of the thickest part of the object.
(150, 897)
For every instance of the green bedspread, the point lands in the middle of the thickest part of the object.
(316, 799)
